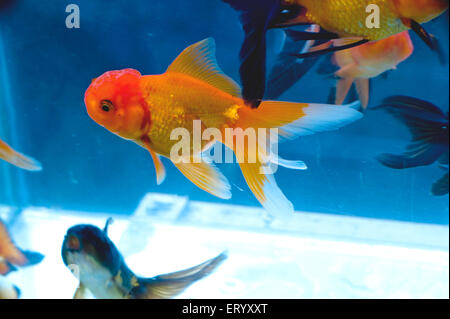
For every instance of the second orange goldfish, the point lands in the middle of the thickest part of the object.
(358, 65)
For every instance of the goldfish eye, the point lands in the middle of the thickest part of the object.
(106, 105)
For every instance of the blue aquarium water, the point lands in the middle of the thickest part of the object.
(360, 229)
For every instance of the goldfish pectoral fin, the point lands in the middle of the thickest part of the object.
(172, 284)
(159, 167)
(206, 176)
(199, 61)
(343, 86)
(17, 159)
(363, 89)
(321, 50)
(441, 187)
(82, 292)
(255, 18)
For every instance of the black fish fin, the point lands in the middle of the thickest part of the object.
(288, 70)
(425, 157)
(385, 75)
(306, 35)
(431, 41)
(332, 96)
(109, 221)
(327, 67)
(441, 186)
(330, 49)
(18, 291)
(420, 31)
(170, 285)
(442, 56)
(256, 19)
(33, 258)
(428, 126)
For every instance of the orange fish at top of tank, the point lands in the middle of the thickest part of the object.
(340, 19)
(147, 109)
(349, 18)
(360, 64)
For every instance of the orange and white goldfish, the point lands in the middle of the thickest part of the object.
(341, 19)
(146, 109)
(11, 156)
(358, 65)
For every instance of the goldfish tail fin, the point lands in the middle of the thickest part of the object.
(17, 159)
(170, 285)
(428, 126)
(206, 176)
(255, 18)
(290, 120)
(299, 119)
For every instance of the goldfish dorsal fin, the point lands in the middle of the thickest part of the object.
(199, 61)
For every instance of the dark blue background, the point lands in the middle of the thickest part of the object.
(87, 168)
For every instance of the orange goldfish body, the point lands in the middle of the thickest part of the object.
(148, 109)
(359, 64)
(10, 155)
(338, 19)
(348, 18)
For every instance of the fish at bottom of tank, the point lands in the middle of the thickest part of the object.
(99, 266)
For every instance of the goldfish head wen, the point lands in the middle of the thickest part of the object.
(88, 240)
(114, 100)
(421, 11)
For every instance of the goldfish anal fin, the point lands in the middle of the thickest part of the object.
(8, 249)
(159, 167)
(363, 89)
(206, 176)
(17, 159)
(266, 190)
(172, 284)
(343, 86)
(199, 61)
